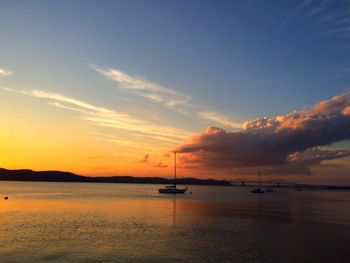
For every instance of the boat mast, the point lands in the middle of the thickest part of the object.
(175, 169)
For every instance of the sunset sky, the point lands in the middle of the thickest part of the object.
(113, 87)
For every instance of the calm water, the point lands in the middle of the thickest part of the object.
(83, 222)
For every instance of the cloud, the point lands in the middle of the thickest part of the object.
(298, 162)
(313, 157)
(219, 118)
(160, 165)
(271, 141)
(144, 88)
(158, 93)
(326, 18)
(5, 73)
(144, 159)
(121, 141)
(106, 117)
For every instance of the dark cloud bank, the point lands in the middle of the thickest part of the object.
(286, 144)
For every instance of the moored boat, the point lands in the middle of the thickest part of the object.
(172, 189)
(258, 190)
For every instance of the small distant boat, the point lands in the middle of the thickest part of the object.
(258, 190)
(268, 190)
(299, 187)
(172, 189)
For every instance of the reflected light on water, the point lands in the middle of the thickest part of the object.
(65, 222)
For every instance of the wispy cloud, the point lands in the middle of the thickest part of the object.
(327, 18)
(5, 72)
(123, 141)
(152, 163)
(144, 159)
(144, 88)
(221, 119)
(106, 117)
(161, 94)
(319, 8)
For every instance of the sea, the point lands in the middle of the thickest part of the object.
(101, 222)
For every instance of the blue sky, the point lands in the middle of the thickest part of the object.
(239, 59)
(245, 58)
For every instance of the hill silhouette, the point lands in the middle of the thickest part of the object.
(58, 176)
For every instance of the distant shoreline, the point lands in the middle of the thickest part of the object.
(26, 175)
(301, 187)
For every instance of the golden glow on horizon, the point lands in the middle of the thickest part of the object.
(47, 138)
(59, 132)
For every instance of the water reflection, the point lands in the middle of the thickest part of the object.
(174, 210)
(132, 223)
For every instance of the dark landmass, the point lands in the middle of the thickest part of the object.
(57, 176)
(296, 186)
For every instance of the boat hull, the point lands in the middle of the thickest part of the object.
(172, 191)
(257, 191)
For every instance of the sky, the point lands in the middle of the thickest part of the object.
(114, 87)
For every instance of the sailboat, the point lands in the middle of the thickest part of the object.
(257, 190)
(172, 189)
